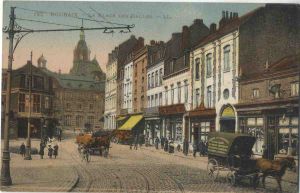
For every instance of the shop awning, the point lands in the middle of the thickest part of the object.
(131, 122)
(121, 118)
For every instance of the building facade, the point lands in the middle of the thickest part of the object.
(177, 81)
(111, 91)
(42, 117)
(155, 89)
(128, 85)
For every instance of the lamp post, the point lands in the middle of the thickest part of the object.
(28, 141)
(5, 169)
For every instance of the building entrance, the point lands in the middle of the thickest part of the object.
(227, 120)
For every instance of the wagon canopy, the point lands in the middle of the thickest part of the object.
(224, 144)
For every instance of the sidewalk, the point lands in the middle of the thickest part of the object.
(41, 175)
(289, 176)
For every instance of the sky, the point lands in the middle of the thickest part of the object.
(152, 20)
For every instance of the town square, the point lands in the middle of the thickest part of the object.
(150, 97)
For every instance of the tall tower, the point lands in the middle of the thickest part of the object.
(81, 51)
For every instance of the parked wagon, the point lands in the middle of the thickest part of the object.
(232, 152)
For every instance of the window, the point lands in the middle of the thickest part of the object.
(172, 94)
(152, 80)
(91, 106)
(68, 120)
(160, 76)
(186, 94)
(197, 99)
(179, 92)
(156, 78)
(160, 99)
(90, 120)
(79, 106)
(38, 82)
(172, 66)
(149, 102)
(226, 51)
(21, 102)
(295, 89)
(68, 106)
(255, 93)
(152, 101)
(197, 69)
(36, 103)
(46, 102)
(79, 120)
(208, 65)
(149, 81)
(156, 100)
(166, 95)
(209, 97)
(22, 81)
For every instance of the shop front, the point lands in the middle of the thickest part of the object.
(202, 121)
(274, 124)
(173, 118)
(153, 124)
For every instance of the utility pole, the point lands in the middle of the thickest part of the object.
(13, 29)
(28, 141)
(5, 170)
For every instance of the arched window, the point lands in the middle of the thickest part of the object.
(197, 68)
(208, 65)
(226, 52)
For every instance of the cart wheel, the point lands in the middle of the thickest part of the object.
(232, 179)
(213, 169)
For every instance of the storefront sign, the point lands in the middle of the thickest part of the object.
(171, 110)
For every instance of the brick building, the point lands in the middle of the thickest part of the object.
(268, 106)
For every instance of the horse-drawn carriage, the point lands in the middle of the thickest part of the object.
(98, 141)
(232, 152)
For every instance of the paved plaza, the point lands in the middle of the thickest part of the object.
(125, 170)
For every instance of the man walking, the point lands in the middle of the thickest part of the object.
(50, 151)
(156, 142)
(22, 150)
(195, 148)
(42, 147)
(55, 150)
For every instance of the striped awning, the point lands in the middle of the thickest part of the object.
(131, 123)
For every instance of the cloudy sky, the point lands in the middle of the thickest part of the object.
(152, 20)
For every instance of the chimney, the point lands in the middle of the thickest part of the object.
(226, 15)
(222, 20)
(185, 37)
(212, 28)
(152, 42)
(198, 21)
(223, 14)
(141, 42)
(231, 15)
(161, 42)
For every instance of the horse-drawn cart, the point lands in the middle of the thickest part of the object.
(232, 153)
(97, 141)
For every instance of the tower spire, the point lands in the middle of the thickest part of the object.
(82, 37)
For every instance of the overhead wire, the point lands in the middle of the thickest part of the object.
(46, 22)
(81, 18)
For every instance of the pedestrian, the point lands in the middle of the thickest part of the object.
(201, 148)
(50, 151)
(162, 142)
(185, 147)
(22, 150)
(136, 142)
(166, 146)
(195, 148)
(42, 147)
(156, 142)
(55, 150)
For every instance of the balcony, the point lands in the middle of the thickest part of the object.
(151, 111)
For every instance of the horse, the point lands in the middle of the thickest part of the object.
(275, 168)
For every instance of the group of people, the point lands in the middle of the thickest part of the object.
(52, 148)
(200, 147)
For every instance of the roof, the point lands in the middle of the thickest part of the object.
(228, 27)
(223, 144)
(77, 82)
(286, 64)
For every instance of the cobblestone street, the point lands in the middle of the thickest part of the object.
(125, 170)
